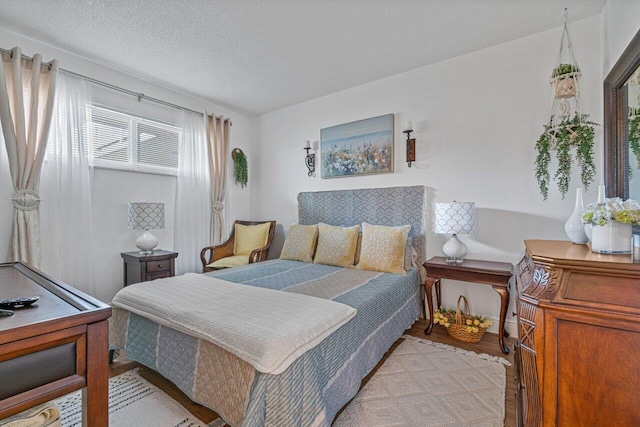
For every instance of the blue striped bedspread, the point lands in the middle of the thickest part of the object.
(321, 381)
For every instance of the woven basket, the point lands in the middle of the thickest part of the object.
(564, 86)
(458, 329)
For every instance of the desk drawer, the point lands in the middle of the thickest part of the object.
(35, 362)
(157, 266)
(37, 369)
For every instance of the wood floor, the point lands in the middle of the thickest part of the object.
(488, 345)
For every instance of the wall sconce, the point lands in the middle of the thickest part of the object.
(411, 143)
(310, 160)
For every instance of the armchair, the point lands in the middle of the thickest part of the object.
(251, 246)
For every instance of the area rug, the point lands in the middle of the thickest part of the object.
(133, 401)
(423, 383)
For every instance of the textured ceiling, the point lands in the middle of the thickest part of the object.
(258, 56)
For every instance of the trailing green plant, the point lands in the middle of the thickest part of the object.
(564, 69)
(634, 131)
(240, 168)
(543, 146)
(575, 132)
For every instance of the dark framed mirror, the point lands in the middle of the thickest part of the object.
(622, 125)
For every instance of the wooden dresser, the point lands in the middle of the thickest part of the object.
(56, 346)
(578, 351)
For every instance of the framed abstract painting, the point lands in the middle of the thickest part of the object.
(357, 148)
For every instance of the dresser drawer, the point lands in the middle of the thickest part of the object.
(157, 266)
(160, 275)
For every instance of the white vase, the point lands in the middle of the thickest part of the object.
(574, 226)
(612, 238)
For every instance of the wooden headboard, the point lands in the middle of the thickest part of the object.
(377, 206)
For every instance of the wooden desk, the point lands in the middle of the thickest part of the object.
(58, 345)
(496, 274)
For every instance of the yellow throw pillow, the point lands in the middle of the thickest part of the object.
(300, 243)
(408, 252)
(336, 245)
(250, 237)
(383, 248)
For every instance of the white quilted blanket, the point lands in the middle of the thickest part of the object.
(266, 328)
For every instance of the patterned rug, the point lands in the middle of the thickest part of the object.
(430, 384)
(133, 401)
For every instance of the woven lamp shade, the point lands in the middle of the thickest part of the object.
(455, 218)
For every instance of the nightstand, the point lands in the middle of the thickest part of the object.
(495, 274)
(144, 267)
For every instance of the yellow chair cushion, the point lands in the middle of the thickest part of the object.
(336, 245)
(248, 238)
(383, 248)
(300, 243)
(230, 261)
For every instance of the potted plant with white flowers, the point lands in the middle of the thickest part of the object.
(612, 224)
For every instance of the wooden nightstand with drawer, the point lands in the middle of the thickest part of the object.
(144, 267)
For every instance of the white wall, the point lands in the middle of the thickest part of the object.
(477, 118)
(620, 22)
(112, 190)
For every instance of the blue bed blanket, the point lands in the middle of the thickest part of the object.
(321, 381)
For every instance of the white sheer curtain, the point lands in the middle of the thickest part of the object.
(218, 129)
(193, 196)
(27, 90)
(67, 233)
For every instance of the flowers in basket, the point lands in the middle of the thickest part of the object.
(613, 209)
(446, 317)
(461, 326)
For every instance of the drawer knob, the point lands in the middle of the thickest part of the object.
(159, 265)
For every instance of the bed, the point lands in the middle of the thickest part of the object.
(320, 381)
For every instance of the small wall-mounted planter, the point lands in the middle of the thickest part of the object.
(240, 167)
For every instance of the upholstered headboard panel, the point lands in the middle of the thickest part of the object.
(378, 206)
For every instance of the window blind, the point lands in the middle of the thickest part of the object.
(124, 141)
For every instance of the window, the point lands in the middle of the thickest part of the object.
(124, 141)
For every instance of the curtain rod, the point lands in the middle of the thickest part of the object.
(138, 95)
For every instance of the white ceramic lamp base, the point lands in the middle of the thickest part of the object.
(454, 250)
(146, 242)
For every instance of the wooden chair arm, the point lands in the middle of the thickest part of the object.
(260, 254)
(216, 252)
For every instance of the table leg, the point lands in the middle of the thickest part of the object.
(428, 288)
(95, 396)
(504, 303)
(439, 292)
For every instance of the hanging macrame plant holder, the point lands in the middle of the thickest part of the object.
(568, 130)
(565, 80)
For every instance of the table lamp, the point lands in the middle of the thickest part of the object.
(146, 216)
(455, 218)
